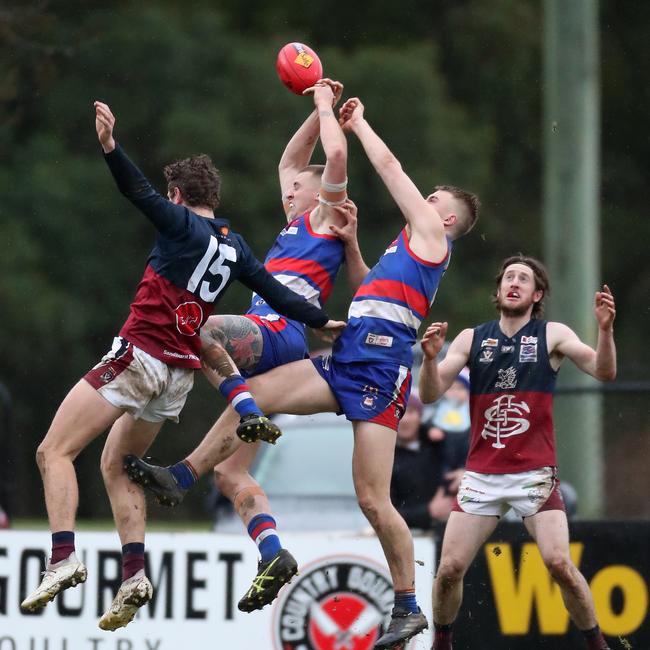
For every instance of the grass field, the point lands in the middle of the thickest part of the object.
(107, 524)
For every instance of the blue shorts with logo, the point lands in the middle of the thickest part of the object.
(283, 342)
(369, 391)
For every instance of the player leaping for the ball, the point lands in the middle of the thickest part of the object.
(368, 376)
(144, 379)
(306, 257)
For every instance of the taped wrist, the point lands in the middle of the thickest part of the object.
(334, 187)
(332, 204)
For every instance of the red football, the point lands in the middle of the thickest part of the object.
(298, 67)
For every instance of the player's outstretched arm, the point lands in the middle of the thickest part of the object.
(436, 378)
(334, 180)
(416, 210)
(169, 219)
(601, 362)
(299, 150)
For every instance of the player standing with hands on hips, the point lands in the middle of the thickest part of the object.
(513, 364)
(146, 376)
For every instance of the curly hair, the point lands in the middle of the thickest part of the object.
(540, 274)
(198, 180)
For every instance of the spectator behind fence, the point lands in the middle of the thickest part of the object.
(417, 472)
(447, 428)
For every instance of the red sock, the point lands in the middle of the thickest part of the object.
(132, 559)
(595, 639)
(62, 545)
(442, 637)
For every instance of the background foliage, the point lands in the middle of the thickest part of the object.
(453, 86)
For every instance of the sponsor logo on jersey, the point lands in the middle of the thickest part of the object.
(391, 249)
(189, 316)
(507, 348)
(379, 339)
(290, 230)
(528, 349)
(507, 379)
(489, 343)
(180, 355)
(487, 356)
(340, 603)
(505, 417)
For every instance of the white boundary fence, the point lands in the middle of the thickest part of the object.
(338, 602)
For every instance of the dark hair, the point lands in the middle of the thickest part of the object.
(468, 219)
(539, 273)
(198, 180)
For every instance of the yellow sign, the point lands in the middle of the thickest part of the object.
(516, 590)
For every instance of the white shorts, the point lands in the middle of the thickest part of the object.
(147, 388)
(527, 493)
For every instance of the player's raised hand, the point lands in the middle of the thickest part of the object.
(433, 339)
(337, 89)
(331, 330)
(323, 93)
(347, 233)
(351, 113)
(604, 308)
(104, 124)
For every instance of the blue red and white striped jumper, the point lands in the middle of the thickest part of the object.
(390, 305)
(304, 261)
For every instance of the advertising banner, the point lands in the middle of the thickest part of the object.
(339, 601)
(511, 603)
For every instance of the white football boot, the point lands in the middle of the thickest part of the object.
(57, 577)
(132, 594)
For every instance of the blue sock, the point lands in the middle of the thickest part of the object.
(236, 391)
(262, 530)
(405, 599)
(184, 474)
